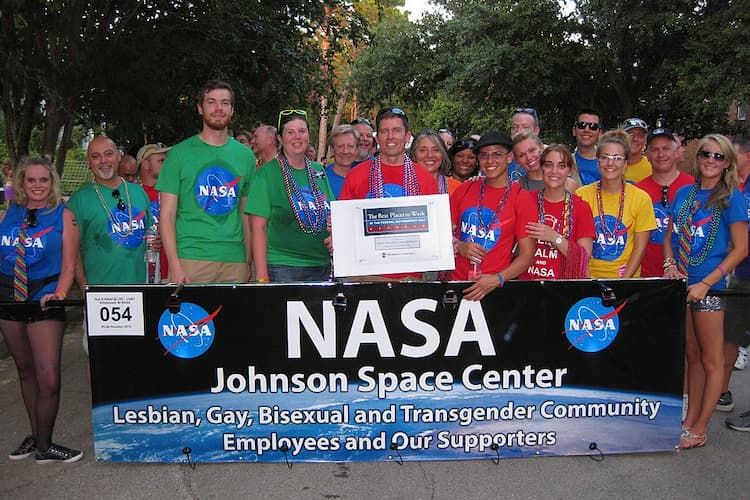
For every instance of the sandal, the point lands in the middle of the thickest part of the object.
(689, 440)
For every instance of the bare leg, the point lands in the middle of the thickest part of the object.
(18, 344)
(45, 338)
(695, 374)
(709, 333)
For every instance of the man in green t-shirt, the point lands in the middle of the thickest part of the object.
(112, 216)
(203, 185)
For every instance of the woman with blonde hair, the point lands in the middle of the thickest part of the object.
(38, 248)
(709, 239)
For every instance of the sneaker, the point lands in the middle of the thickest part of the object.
(739, 423)
(26, 448)
(57, 453)
(741, 362)
(725, 402)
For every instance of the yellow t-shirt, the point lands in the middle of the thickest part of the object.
(636, 172)
(613, 246)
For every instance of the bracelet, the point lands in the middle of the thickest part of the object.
(60, 294)
(263, 280)
(709, 286)
(501, 278)
(669, 261)
(721, 269)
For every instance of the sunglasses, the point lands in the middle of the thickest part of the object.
(709, 154)
(392, 111)
(529, 111)
(361, 121)
(120, 204)
(590, 125)
(465, 144)
(445, 131)
(31, 220)
(635, 123)
(664, 199)
(290, 112)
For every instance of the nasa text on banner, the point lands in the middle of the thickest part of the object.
(274, 373)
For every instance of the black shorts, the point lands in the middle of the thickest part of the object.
(736, 319)
(31, 313)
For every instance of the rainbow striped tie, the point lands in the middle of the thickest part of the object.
(686, 240)
(20, 278)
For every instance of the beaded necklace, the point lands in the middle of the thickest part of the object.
(410, 184)
(485, 227)
(316, 218)
(688, 209)
(567, 214)
(128, 230)
(442, 184)
(610, 235)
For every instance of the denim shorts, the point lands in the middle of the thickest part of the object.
(711, 303)
(293, 274)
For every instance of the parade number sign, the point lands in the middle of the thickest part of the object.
(388, 371)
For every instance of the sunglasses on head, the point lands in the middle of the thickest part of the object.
(31, 220)
(445, 131)
(465, 144)
(529, 111)
(709, 154)
(120, 203)
(361, 121)
(590, 125)
(392, 111)
(635, 123)
(664, 198)
(290, 112)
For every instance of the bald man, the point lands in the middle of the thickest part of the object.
(112, 216)
(128, 169)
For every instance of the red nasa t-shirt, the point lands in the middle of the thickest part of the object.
(496, 232)
(547, 262)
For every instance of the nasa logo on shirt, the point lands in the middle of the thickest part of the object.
(662, 214)
(35, 243)
(483, 229)
(188, 333)
(217, 190)
(591, 326)
(309, 205)
(390, 191)
(125, 232)
(155, 210)
(609, 244)
(699, 230)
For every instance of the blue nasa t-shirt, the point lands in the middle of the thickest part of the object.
(43, 245)
(743, 269)
(735, 212)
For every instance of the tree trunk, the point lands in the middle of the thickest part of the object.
(323, 131)
(62, 151)
(340, 108)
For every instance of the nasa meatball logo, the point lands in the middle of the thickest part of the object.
(35, 244)
(307, 205)
(591, 326)
(217, 190)
(481, 228)
(123, 230)
(188, 333)
(609, 244)
(663, 215)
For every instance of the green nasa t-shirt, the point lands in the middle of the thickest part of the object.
(209, 182)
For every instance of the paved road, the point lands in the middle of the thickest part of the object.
(718, 471)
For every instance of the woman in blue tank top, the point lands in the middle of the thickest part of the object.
(38, 248)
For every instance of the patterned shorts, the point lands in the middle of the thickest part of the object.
(711, 303)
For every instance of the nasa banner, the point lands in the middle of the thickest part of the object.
(385, 371)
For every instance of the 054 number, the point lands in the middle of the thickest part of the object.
(115, 313)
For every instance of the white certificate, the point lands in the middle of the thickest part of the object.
(391, 235)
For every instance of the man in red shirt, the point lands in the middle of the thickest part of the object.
(661, 186)
(149, 160)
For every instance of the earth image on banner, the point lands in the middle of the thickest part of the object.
(657, 429)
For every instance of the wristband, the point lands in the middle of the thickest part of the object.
(263, 280)
(60, 294)
(669, 261)
(709, 286)
(723, 272)
(501, 278)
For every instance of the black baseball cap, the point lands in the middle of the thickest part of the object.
(494, 139)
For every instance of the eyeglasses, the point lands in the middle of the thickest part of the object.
(393, 111)
(31, 220)
(529, 111)
(635, 123)
(496, 155)
(708, 154)
(590, 125)
(664, 199)
(120, 203)
(290, 112)
(616, 159)
(361, 121)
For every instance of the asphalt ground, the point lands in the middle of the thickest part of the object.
(717, 471)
